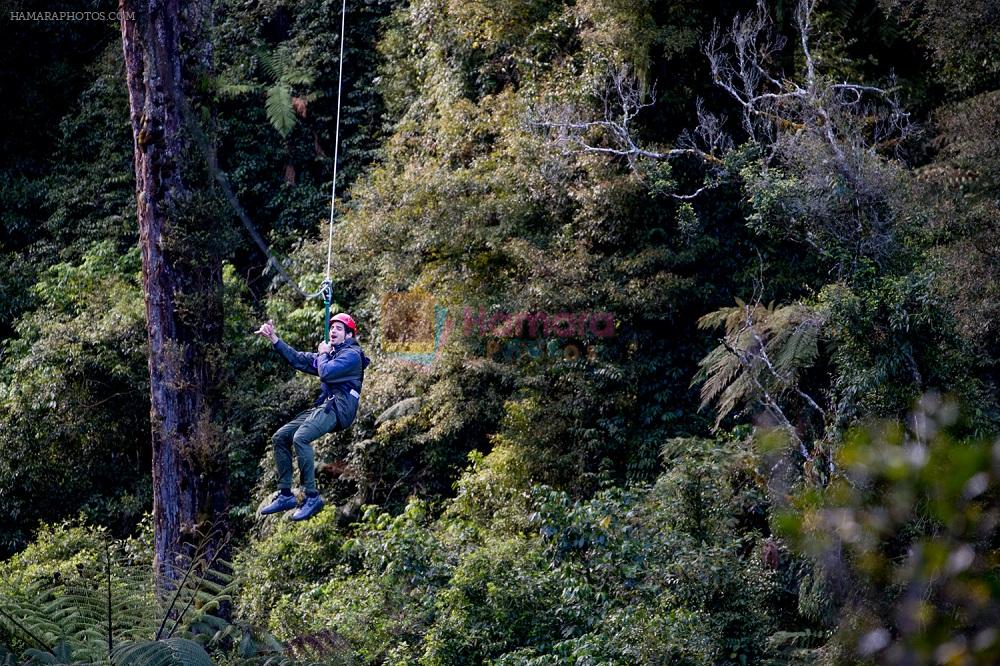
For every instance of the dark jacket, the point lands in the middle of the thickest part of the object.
(341, 374)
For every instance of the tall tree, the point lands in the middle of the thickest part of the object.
(167, 51)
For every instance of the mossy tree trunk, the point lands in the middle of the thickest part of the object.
(167, 50)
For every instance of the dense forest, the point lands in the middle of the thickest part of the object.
(684, 320)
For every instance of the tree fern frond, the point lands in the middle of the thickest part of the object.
(169, 652)
(799, 350)
(718, 370)
(86, 613)
(297, 77)
(279, 108)
(234, 89)
(764, 349)
(271, 63)
(740, 391)
(716, 319)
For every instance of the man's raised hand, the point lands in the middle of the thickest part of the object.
(266, 330)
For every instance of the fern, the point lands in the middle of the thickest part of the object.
(168, 652)
(279, 108)
(234, 89)
(256, 647)
(284, 77)
(790, 648)
(796, 342)
(71, 618)
(84, 617)
(762, 353)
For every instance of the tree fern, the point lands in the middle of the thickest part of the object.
(168, 652)
(81, 618)
(760, 356)
(284, 77)
(68, 621)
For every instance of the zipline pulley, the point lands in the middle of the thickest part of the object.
(327, 291)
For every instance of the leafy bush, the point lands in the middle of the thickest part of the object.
(75, 384)
(905, 540)
(511, 575)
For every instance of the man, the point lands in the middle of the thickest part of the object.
(340, 366)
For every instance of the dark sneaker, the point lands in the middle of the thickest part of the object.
(280, 503)
(309, 508)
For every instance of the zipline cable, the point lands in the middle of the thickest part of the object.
(326, 290)
(336, 139)
(328, 283)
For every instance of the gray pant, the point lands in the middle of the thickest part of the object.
(301, 431)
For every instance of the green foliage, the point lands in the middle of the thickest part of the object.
(77, 596)
(71, 401)
(170, 652)
(908, 528)
(961, 39)
(960, 187)
(892, 340)
(278, 68)
(273, 569)
(514, 576)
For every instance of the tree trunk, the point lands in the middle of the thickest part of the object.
(166, 50)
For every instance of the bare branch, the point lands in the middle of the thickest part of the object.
(829, 133)
(622, 100)
(692, 195)
(803, 18)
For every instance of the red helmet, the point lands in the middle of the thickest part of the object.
(347, 320)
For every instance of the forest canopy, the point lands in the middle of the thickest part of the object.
(682, 317)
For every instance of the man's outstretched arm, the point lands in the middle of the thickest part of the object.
(302, 361)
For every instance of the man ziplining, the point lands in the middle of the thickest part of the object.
(341, 370)
(340, 365)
